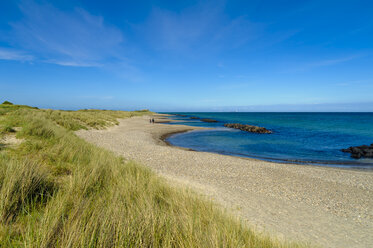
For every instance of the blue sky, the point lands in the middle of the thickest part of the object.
(188, 55)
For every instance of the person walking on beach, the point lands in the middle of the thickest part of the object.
(153, 120)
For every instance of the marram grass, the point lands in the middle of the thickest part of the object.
(57, 190)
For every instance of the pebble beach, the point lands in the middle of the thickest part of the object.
(321, 206)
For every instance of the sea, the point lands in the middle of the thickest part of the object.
(305, 138)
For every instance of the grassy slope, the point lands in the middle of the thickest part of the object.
(57, 190)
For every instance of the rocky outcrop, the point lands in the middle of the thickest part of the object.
(248, 128)
(209, 120)
(360, 151)
(195, 118)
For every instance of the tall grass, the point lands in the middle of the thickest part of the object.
(57, 190)
(22, 183)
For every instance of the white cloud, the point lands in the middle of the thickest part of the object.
(329, 62)
(74, 38)
(10, 54)
(73, 63)
(200, 27)
(305, 66)
(359, 83)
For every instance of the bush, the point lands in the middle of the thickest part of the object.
(9, 129)
(7, 103)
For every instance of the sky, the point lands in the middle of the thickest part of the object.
(188, 55)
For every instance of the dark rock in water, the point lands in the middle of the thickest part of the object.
(162, 121)
(193, 117)
(369, 154)
(363, 151)
(209, 120)
(355, 155)
(248, 128)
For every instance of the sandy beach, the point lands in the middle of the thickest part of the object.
(327, 207)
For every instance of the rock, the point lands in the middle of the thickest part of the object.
(360, 151)
(347, 150)
(356, 155)
(369, 154)
(209, 120)
(248, 128)
(195, 118)
(355, 150)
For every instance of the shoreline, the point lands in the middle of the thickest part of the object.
(326, 206)
(165, 136)
(322, 163)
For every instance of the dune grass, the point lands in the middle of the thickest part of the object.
(57, 190)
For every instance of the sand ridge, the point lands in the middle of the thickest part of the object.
(325, 206)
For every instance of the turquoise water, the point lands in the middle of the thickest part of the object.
(297, 137)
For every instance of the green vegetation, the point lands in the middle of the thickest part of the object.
(57, 190)
(7, 103)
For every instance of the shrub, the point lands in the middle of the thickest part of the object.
(9, 129)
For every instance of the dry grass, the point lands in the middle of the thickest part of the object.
(56, 190)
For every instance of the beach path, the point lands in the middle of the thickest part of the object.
(327, 207)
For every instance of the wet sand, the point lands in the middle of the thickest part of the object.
(327, 207)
